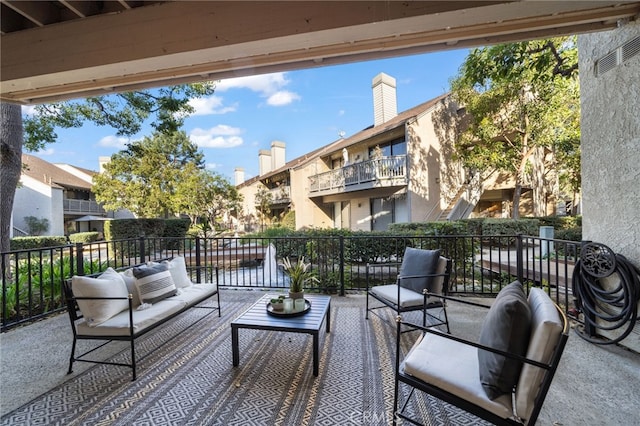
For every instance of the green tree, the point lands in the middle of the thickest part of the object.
(145, 177)
(10, 165)
(36, 226)
(522, 101)
(208, 198)
(166, 107)
(264, 200)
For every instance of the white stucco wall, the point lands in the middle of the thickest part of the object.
(35, 198)
(610, 129)
(610, 122)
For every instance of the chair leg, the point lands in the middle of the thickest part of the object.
(73, 355)
(446, 318)
(133, 360)
(394, 414)
(366, 312)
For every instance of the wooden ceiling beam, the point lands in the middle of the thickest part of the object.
(180, 42)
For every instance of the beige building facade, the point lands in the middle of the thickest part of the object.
(399, 170)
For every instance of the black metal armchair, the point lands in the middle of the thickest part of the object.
(453, 369)
(423, 277)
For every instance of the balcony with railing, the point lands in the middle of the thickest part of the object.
(81, 207)
(281, 195)
(384, 172)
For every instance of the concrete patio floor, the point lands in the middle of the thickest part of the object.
(595, 385)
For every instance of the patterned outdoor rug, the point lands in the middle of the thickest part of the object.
(191, 381)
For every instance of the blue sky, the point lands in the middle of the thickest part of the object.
(304, 109)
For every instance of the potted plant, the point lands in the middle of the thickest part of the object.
(299, 274)
(277, 303)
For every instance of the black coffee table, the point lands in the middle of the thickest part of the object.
(257, 318)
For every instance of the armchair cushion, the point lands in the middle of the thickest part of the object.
(546, 330)
(452, 366)
(506, 327)
(389, 292)
(419, 262)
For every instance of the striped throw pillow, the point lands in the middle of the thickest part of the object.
(154, 283)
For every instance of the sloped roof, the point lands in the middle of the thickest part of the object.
(361, 136)
(48, 173)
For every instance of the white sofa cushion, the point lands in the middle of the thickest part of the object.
(109, 284)
(546, 329)
(190, 295)
(178, 269)
(118, 325)
(130, 281)
(453, 366)
(154, 283)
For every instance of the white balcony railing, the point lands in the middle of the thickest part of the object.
(391, 170)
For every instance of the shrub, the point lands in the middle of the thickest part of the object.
(84, 237)
(571, 234)
(25, 243)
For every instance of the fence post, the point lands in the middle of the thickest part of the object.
(341, 265)
(198, 270)
(519, 260)
(143, 251)
(79, 259)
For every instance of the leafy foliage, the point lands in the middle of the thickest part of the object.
(36, 226)
(522, 101)
(125, 112)
(23, 243)
(300, 273)
(207, 198)
(145, 178)
(84, 237)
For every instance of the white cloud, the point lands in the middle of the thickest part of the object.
(46, 152)
(281, 98)
(210, 106)
(213, 166)
(28, 109)
(221, 136)
(113, 142)
(268, 86)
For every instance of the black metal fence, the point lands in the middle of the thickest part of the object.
(482, 265)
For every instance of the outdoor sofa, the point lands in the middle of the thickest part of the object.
(125, 305)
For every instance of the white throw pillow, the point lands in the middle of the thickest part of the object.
(130, 281)
(109, 284)
(154, 283)
(178, 269)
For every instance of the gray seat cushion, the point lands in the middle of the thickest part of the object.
(507, 327)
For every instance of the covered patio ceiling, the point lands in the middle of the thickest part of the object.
(56, 50)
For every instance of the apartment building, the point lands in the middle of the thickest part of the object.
(59, 193)
(401, 169)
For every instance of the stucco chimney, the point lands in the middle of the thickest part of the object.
(101, 162)
(238, 173)
(277, 155)
(264, 161)
(384, 98)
